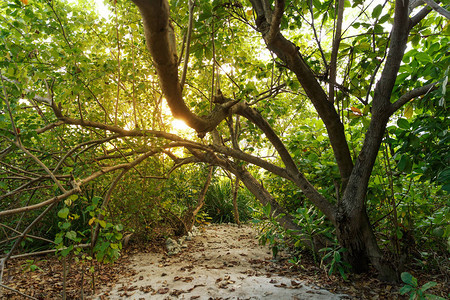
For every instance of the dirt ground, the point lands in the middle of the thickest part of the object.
(222, 262)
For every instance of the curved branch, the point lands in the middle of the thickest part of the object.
(80, 183)
(160, 38)
(290, 173)
(81, 145)
(405, 98)
(105, 203)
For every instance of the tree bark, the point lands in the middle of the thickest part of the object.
(353, 227)
(160, 39)
(289, 53)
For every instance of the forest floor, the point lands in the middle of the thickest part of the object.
(222, 262)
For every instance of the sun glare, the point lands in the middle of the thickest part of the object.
(179, 125)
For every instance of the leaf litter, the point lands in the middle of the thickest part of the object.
(223, 262)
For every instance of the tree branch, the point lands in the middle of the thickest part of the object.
(276, 20)
(405, 98)
(419, 16)
(160, 38)
(289, 54)
(335, 49)
(188, 42)
(439, 9)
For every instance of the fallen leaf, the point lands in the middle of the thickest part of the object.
(163, 291)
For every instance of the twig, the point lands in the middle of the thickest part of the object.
(188, 42)
(39, 162)
(28, 235)
(316, 37)
(118, 65)
(105, 203)
(16, 291)
(36, 220)
(18, 143)
(47, 251)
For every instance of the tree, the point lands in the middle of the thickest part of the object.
(349, 215)
(350, 68)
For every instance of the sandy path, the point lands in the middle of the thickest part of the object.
(223, 262)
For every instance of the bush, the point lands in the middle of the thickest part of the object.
(219, 202)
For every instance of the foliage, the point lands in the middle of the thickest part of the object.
(332, 261)
(31, 266)
(108, 246)
(98, 70)
(313, 224)
(412, 288)
(219, 202)
(269, 230)
(202, 218)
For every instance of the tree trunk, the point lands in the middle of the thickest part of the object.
(354, 233)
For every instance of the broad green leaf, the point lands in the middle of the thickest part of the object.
(405, 289)
(409, 279)
(65, 225)
(403, 123)
(3, 185)
(66, 251)
(377, 11)
(428, 285)
(405, 164)
(102, 223)
(70, 200)
(71, 235)
(96, 200)
(63, 213)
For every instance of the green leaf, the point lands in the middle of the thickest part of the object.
(384, 18)
(96, 200)
(409, 279)
(65, 225)
(70, 200)
(405, 164)
(66, 251)
(63, 213)
(337, 256)
(71, 235)
(405, 289)
(434, 297)
(58, 240)
(403, 123)
(428, 285)
(102, 223)
(377, 11)
(3, 185)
